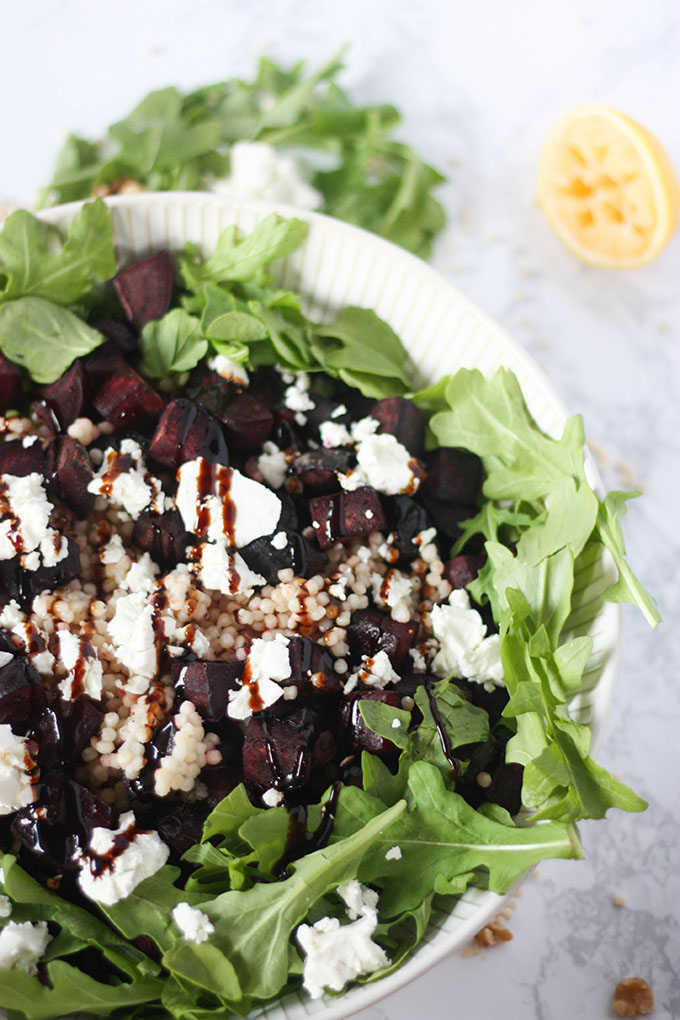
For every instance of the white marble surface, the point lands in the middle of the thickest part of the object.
(479, 83)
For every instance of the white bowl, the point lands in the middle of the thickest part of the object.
(442, 330)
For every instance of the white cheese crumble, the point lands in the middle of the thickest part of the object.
(79, 657)
(464, 648)
(131, 631)
(268, 663)
(141, 858)
(375, 671)
(273, 464)
(280, 540)
(228, 369)
(5, 658)
(335, 953)
(384, 464)
(333, 434)
(272, 797)
(194, 925)
(33, 638)
(16, 788)
(393, 589)
(123, 479)
(113, 551)
(394, 854)
(219, 570)
(254, 509)
(141, 577)
(25, 528)
(260, 171)
(11, 616)
(297, 398)
(5, 906)
(23, 945)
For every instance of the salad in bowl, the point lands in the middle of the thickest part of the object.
(303, 631)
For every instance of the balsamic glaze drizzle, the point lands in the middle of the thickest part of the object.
(443, 735)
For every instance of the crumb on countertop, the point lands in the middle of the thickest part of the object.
(633, 997)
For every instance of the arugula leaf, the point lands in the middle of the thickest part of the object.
(174, 343)
(29, 265)
(627, 588)
(44, 338)
(180, 141)
(71, 991)
(236, 261)
(252, 928)
(441, 837)
(463, 721)
(359, 346)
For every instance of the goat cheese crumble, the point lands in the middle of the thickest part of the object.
(144, 854)
(260, 171)
(273, 464)
(382, 462)
(84, 668)
(16, 788)
(220, 504)
(194, 925)
(336, 954)
(375, 671)
(267, 664)
(123, 479)
(228, 369)
(23, 945)
(464, 648)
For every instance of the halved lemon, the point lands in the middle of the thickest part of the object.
(607, 188)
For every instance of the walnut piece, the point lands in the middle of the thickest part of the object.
(633, 997)
(493, 934)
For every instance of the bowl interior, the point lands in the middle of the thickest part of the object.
(442, 330)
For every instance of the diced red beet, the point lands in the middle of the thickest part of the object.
(10, 385)
(163, 536)
(462, 570)
(22, 695)
(103, 364)
(86, 811)
(355, 731)
(187, 431)
(278, 752)
(66, 397)
(453, 475)
(402, 419)
(319, 469)
(118, 332)
(17, 459)
(493, 702)
(145, 288)
(312, 669)
(126, 400)
(72, 473)
(341, 515)
(407, 519)
(285, 434)
(182, 826)
(64, 731)
(447, 516)
(207, 685)
(221, 780)
(61, 820)
(248, 424)
(23, 585)
(371, 631)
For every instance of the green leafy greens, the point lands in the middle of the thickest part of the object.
(553, 550)
(180, 141)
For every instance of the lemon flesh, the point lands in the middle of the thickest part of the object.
(607, 188)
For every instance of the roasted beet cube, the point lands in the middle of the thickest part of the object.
(447, 516)
(187, 431)
(72, 473)
(267, 559)
(64, 731)
(145, 288)
(371, 631)
(23, 585)
(319, 469)
(462, 570)
(283, 752)
(103, 364)
(66, 397)
(453, 475)
(61, 820)
(119, 333)
(207, 685)
(126, 400)
(17, 459)
(312, 670)
(22, 695)
(181, 826)
(346, 515)
(285, 434)
(248, 424)
(221, 780)
(355, 731)
(402, 419)
(163, 536)
(10, 385)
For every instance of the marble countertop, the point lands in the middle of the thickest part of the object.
(479, 85)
